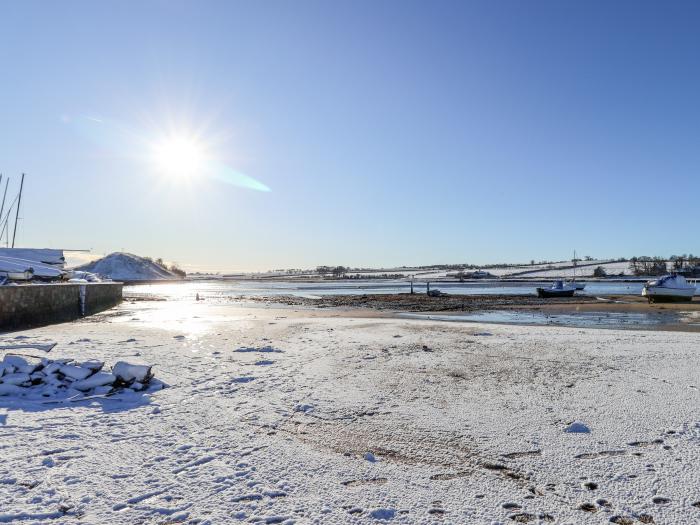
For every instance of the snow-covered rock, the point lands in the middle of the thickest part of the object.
(17, 378)
(121, 266)
(75, 372)
(95, 380)
(130, 373)
(44, 380)
(577, 428)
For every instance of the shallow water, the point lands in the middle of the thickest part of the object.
(228, 289)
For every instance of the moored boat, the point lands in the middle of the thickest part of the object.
(669, 288)
(558, 289)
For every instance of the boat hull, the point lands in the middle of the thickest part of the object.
(668, 295)
(19, 276)
(548, 293)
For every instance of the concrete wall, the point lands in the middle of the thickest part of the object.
(34, 305)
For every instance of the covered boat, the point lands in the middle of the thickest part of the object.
(558, 289)
(24, 270)
(669, 288)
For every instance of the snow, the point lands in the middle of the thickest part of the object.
(121, 266)
(12, 264)
(128, 372)
(611, 268)
(45, 256)
(42, 380)
(577, 428)
(472, 432)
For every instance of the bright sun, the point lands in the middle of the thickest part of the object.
(180, 156)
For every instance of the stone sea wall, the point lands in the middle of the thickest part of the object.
(35, 305)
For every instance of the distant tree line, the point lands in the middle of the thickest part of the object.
(645, 265)
(174, 268)
(336, 271)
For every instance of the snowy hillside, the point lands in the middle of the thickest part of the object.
(121, 266)
(610, 267)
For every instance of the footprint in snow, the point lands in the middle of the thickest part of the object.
(244, 379)
(383, 514)
(264, 349)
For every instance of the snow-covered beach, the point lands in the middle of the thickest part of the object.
(293, 415)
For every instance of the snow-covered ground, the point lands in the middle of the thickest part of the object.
(120, 266)
(304, 416)
(611, 268)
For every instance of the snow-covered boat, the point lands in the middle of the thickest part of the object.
(669, 288)
(558, 289)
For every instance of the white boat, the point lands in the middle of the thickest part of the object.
(669, 288)
(558, 289)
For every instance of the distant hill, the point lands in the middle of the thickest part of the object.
(121, 266)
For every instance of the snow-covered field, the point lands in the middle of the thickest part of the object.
(611, 268)
(303, 416)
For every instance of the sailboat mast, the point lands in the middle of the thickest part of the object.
(14, 233)
(2, 207)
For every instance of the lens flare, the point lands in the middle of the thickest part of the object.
(180, 156)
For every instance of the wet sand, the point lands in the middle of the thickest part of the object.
(667, 316)
(423, 303)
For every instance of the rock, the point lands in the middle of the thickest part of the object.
(93, 365)
(52, 368)
(75, 372)
(7, 389)
(95, 380)
(14, 360)
(577, 428)
(15, 379)
(132, 373)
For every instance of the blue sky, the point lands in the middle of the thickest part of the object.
(389, 132)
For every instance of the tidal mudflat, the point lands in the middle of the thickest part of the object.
(287, 415)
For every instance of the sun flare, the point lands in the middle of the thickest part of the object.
(180, 156)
